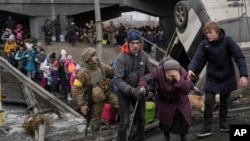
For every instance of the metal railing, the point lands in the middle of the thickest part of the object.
(166, 53)
(151, 58)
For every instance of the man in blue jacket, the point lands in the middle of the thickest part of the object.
(217, 50)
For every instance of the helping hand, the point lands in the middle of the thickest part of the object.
(139, 92)
(243, 82)
(150, 79)
(190, 74)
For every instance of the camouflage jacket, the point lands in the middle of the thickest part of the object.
(111, 28)
(85, 76)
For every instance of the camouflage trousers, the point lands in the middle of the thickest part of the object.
(111, 37)
(91, 37)
(99, 99)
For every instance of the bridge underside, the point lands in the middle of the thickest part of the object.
(106, 14)
(19, 18)
(33, 14)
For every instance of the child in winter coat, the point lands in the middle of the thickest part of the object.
(72, 79)
(73, 75)
(30, 65)
(55, 78)
(69, 67)
(62, 75)
(46, 67)
(20, 60)
(11, 58)
(40, 57)
(10, 44)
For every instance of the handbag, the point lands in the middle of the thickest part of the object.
(43, 82)
(42, 66)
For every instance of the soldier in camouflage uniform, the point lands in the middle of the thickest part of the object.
(91, 31)
(99, 75)
(111, 32)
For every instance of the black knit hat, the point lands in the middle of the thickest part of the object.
(133, 34)
(171, 65)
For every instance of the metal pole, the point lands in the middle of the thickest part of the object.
(98, 30)
(131, 124)
(0, 91)
(1, 86)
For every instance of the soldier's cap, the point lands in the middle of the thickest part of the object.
(87, 53)
(171, 65)
(133, 34)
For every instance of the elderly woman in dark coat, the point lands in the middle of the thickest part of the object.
(174, 112)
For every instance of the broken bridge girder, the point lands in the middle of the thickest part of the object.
(61, 106)
(34, 108)
(30, 99)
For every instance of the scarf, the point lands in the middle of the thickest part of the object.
(91, 66)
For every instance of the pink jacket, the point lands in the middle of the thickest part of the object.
(72, 78)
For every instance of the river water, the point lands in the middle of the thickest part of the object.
(12, 119)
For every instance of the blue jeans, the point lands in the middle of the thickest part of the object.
(124, 111)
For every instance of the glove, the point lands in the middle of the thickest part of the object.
(138, 93)
(150, 79)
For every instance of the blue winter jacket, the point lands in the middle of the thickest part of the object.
(30, 60)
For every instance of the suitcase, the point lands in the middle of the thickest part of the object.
(150, 112)
(108, 114)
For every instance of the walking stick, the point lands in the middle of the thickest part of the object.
(131, 124)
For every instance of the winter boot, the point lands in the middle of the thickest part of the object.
(184, 137)
(166, 136)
